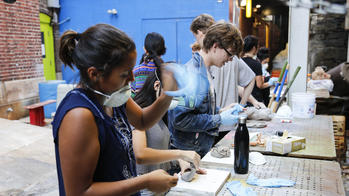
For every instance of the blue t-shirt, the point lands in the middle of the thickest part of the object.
(116, 159)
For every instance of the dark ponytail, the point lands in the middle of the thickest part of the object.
(101, 46)
(67, 46)
(154, 44)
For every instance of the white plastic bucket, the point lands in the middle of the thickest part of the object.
(303, 105)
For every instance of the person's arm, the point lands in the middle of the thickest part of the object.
(260, 82)
(79, 153)
(245, 92)
(145, 118)
(190, 121)
(251, 99)
(146, 155)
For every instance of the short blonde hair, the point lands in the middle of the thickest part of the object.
(202, 23)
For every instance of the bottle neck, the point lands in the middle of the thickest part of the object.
(242, 124)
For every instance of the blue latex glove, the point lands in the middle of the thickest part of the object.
(272, 81)
(189, 81)
(243, 105)
(236, 188)
(231, 116)
(270, 182)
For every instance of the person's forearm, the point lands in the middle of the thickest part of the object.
(265, 85)
(246, 92)
(191, 122)
(123, 187)
(155, 156)
(252, 100)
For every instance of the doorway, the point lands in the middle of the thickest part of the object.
(47, 47)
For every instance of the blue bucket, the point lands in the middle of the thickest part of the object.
(47, 91)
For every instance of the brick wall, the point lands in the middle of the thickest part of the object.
(20, 41)
(20, 57)
(43, 7)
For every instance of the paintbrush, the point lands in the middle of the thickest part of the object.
(288, 88)
(277, 85)
(281, 86)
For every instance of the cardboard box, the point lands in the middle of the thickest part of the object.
(280, 145)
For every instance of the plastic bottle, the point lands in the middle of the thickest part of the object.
(241, 147)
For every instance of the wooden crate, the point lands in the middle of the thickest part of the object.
(338, 125)
(339, 136)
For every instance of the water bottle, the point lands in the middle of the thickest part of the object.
(241, 147)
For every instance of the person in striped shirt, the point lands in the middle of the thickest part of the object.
(154, 46)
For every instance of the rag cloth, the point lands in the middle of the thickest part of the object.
(256, 124)
(259, 114)
(236, 189)
(270, 182)
(220, 151)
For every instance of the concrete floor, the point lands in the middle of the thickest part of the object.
(27, 159)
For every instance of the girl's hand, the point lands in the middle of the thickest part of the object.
(159, 181)
(186, 165)
(191, 156)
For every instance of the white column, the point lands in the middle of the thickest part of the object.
(298, 38)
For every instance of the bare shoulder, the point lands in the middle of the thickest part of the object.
(78, 125)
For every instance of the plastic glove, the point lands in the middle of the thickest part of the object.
(272, 81)
(236, 188)
(238, 108)
(230, 116)
(242, 105)
(189, 81)
(270, 182)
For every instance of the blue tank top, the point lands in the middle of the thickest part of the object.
(116, 158)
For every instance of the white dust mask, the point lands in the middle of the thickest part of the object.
(265, 65)
(118, 97)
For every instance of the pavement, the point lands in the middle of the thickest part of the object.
(27, 159)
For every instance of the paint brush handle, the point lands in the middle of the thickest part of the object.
(282, 99)
(280, 77)
(271, 100)
(294, 77)
(277, 84)
(288, 88)
(282, 84)
(282, 72)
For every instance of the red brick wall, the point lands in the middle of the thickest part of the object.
(20, 40)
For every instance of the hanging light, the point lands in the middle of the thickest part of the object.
(248, 8)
